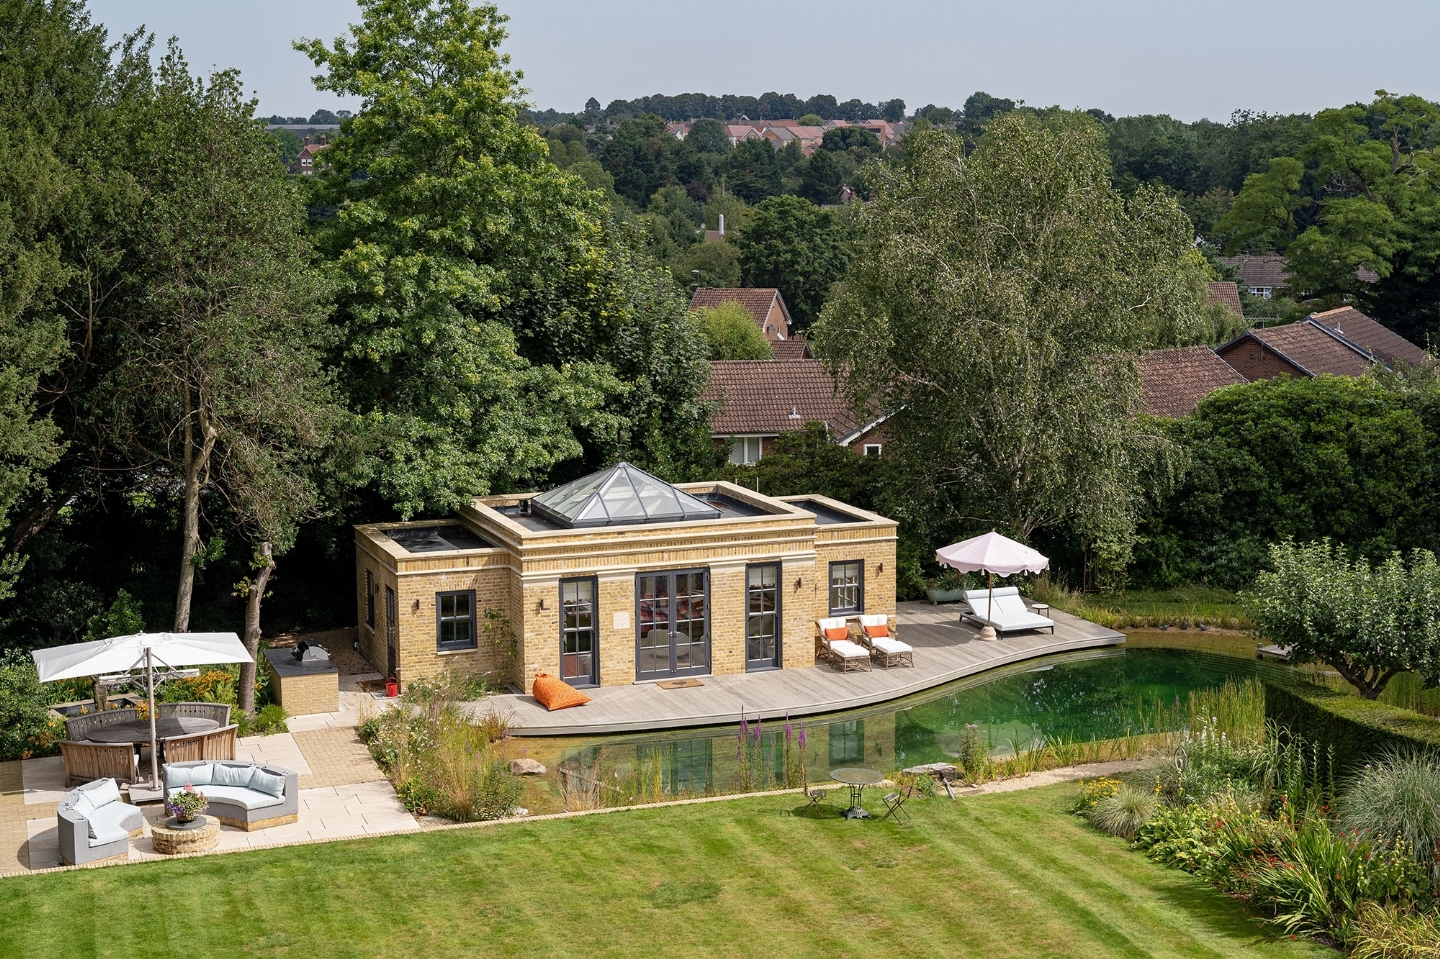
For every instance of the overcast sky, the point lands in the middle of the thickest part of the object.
(1125, 56)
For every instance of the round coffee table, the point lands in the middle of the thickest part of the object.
(202, 836)
(857, 778)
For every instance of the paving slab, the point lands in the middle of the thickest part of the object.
(277, 750)
(44, 779)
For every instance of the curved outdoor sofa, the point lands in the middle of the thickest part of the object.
(246, 795)
(95, 825)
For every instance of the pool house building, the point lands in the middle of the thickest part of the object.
(617, 578)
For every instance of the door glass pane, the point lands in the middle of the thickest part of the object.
(761, 622)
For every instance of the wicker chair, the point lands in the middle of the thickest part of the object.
(220, 712)
(78, 729)
(198, 747)
(85, 762)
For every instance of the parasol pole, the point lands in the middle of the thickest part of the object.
(150, 692)
(988, 632)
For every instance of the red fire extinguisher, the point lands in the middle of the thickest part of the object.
(392, 688)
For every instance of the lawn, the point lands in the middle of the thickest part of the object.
(1007, 875)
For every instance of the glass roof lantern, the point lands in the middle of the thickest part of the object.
(622, 495)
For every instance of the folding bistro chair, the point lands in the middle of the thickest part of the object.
(895, 805)
(815, 796)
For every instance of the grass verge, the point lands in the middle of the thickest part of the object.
(999, 876)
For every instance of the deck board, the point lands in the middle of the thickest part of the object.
(945, 650)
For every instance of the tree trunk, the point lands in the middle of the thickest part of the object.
(197, 461)
(254, 595)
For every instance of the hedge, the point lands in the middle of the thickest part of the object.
(1353, 729)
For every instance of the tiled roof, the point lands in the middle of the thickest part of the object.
(1381, 343)
(1172, 382)
(791, 349)
(1314, 348)
(1223, 292)
(766, 397)
(756, 300)
(1265, 270)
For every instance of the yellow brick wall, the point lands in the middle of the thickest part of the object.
(305, 695)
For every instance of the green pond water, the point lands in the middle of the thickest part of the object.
(1097, 695)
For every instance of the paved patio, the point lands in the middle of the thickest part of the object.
(945, 650)
(343, 794)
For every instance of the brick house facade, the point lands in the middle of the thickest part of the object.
(614, 604)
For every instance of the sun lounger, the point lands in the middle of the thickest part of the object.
(1010, 614)
(841, 652)
(886, 649)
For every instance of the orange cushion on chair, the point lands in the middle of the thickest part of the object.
(877, 632)
(553, 693)
(835, 635)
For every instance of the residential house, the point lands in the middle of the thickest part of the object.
(1225, 293)
(1265, 274)
(678, 130)
(765, 304)
(1306, 348)
(741, 131)
(304, 162)
(1383, 344)
(795, 348)
(1173, 382)
(617, 578)
(760, 399)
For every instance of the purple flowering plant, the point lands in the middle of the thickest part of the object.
(186, 804)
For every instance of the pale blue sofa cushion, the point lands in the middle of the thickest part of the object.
(268, 783)
(222, 774)
(240, 796)
(113, 822)
(197, 775)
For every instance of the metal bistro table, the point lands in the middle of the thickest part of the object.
(138, 730)
(857, 779)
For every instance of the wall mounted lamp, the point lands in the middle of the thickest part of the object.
(541, 604)
(416, 607)
(799, 583)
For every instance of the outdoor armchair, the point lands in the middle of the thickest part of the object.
(885, 648)
(837, 648)
(1010, 614)
(94, 825)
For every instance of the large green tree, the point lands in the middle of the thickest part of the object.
(1362, 196)
(493, 322)
(997, 304)
(795, 246)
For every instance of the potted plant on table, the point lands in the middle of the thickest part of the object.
(185, 805)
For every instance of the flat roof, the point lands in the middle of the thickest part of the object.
(437, 539)
(826, 515)
(728, 506)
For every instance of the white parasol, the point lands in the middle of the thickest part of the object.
(993, 554)
(124, 654)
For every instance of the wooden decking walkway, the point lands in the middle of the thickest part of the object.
(945, 650)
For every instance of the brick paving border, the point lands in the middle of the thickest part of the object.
(337, 757)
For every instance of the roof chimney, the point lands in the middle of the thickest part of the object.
(722, 224)
(794, 413)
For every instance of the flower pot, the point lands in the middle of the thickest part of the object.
(937, 596)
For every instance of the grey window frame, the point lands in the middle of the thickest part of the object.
(370, 598)
(859, 606)
(441, 646)
(779, 618)
(594, 582)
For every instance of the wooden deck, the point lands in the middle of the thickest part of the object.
(945, 650)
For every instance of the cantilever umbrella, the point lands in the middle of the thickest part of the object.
(123, 654)
(993, 554)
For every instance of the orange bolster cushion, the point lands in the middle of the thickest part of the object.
(554, 693)
(877, 632)
(839, 633)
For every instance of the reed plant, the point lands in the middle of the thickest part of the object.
(1396, 803)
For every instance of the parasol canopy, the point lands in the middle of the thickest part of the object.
(992, 553)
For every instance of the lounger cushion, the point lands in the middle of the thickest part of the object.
(834, 635)
(200, 774)
(113, 822)
(222, 774)
(848, 650)
(891, 646)
(267, 783)
(238, 796)
(554, 693)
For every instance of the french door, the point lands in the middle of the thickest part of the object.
(672, 618)
(579, 639)
(392, 631)
(762, 616)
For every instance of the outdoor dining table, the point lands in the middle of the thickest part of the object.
(857, 779)
(138, 730)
